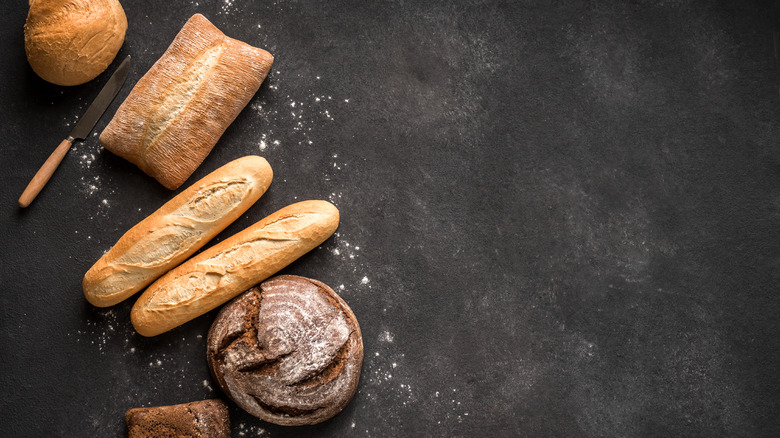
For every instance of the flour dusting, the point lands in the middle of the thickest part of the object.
(251, 430)
(305, 113)
(87, 153)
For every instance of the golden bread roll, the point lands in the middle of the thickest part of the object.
(70, 42)
(176, 230)
(232, 266)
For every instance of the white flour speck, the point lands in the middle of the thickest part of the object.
(309, 112)
(386, 337)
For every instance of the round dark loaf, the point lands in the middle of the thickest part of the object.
(288, 351)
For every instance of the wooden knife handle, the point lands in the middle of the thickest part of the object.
(44, 173)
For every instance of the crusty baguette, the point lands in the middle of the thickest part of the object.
(232, 266)
(176, 230)
(178, 110)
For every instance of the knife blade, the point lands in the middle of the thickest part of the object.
(79, 132)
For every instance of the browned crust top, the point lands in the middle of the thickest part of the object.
(288, 351)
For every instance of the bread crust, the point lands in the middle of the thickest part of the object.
(179, 109)
(70, 42)
(207, 418)
(232, 266)
(176, 230)
(288, 351)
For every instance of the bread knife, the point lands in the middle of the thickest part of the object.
(79, 132)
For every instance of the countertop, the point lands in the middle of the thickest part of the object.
(557, 218)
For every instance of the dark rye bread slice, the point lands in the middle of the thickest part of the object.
(288, 351)
(200, 419)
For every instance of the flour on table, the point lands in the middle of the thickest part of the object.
(88, 153)
(386, 336)
(97, 332)
(251, 430)
(336, 165)
(348, 252)
(306, 114)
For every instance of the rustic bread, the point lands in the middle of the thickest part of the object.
(70, 42)
(201, 419)
(230, 267)
(288, 351)
(176, 230)
(178, 110)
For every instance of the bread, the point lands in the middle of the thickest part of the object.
(70, 42)
(206, 419)
(176, 230)
(178, 110)
(230, 267)
(288, 351)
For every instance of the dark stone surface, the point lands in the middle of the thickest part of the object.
(558, 218)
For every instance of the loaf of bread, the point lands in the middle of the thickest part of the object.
(205, 419)
(232, 266)
(288, 351)
(178, 110)
(176, 230)
(70, 42)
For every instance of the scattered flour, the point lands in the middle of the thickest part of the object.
(87, 153)
(340, 247)
(251, 430)
(305, 112)
(100, 330)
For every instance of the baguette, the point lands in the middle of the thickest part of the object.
(176, 230)
(232, 266)
(177, 111)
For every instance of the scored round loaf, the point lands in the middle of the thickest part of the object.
(70, 42)
(288, 351)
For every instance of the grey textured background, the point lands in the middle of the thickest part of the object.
(558, 218)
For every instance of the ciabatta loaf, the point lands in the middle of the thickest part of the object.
(176, 230)
(178, 110)
(232, 266)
